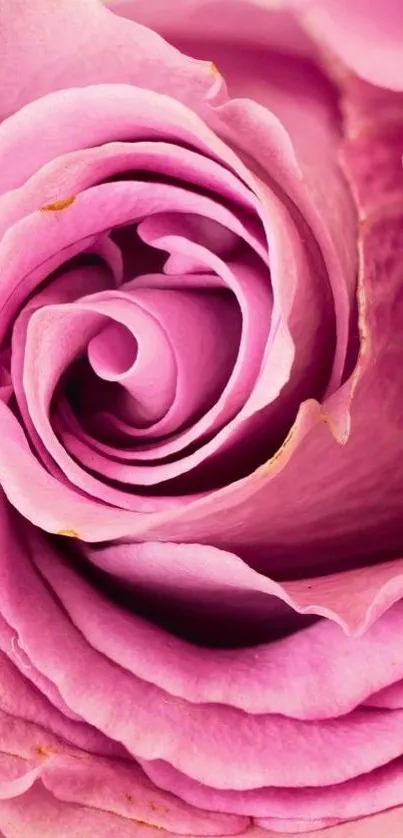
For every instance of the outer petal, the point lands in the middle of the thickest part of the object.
(71, 758)
(367, 37)
(21, 817)
(259, 22)
(254, 679)
(47, 45)
(168, 727)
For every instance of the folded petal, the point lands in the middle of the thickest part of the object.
(283, 109)
(49, 592)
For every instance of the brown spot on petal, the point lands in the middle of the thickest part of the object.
(57, 206)
(214, 69)
(327, 420)
(45, 751)
(129, 797)
(68, 533)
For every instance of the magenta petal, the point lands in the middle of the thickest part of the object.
(375, 159)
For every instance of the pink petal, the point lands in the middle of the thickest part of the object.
(366, 37)
(38, 809)
(100, 114)
(93, 797)
(283, 155)
(21, 699)
(70, 773)
(385, 823)
(373, 147)
(298, 129)
(251, 289)
(365, 795)
(240, 678)
(127, 202)
(254, 758)
(366, 739)
(75, 171)
(107, 785)
(263, 23)
(66, 44)
(330, 488)
(375, 157)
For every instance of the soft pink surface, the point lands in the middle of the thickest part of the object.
(209, 726)
(366, 37)
(179, 370)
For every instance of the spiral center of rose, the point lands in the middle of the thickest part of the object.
(161, 349)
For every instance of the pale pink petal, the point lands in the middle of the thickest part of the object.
(46, 45)
(263, 23)
(385, 823)
(366, 37)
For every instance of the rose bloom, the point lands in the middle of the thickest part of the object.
(201, 413)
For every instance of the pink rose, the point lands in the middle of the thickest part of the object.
(201, 317)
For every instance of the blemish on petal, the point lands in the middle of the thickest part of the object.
(57, 206)
(327, 420)
(68, 533)
(214, 69)
(45, 751)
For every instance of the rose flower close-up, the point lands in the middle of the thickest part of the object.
(201, 416)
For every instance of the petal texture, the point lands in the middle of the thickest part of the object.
(365, 37)
(66, 44)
